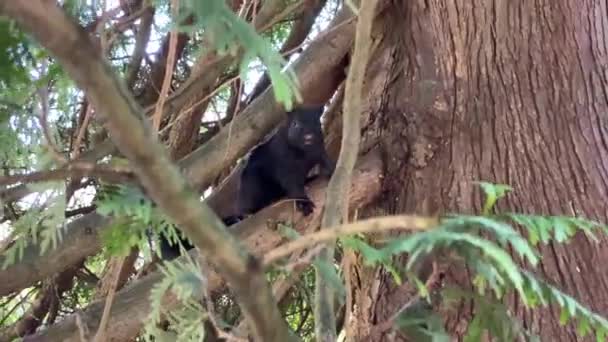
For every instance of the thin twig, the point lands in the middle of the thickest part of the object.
(82, 129)
(336, 202)
(105, 317)
(168, 70)
(321, 35)
(191, 107)
(433, 284)
(281, 16)
(372, 225)
(231, 124)
(125, 21)
(114, 175)
(43, 115)
(245, 6)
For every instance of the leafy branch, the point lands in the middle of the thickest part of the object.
(493, 267)
(161, 179)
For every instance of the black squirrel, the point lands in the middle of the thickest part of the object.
(279, 166)
(276, 168)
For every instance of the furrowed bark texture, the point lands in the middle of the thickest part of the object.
(319, 69)
(500, 91)
(131, 305)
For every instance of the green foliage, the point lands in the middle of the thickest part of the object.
(490, 316)
(228, 32)
(41, 224)
(493, 193)
(538, 292)
(287, 231)
(420, 323)
(560, 228)
(14, 54)
(136, 218)
(184, 279)
(482, 243)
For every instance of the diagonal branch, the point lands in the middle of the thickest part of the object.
(72, 170)
(141, 41)
(131, 132)
(371, 225)
(158, 111)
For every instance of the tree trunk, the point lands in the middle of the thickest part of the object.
(500, 91)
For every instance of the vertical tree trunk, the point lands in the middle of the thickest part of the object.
(501, 91)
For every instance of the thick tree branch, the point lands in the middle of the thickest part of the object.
(131, 132)
(319, 69)
(259, 233)
(336, 209)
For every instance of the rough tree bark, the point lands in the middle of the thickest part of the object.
(501, 91)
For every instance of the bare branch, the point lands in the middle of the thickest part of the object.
(72, 170)
(168, 70)
(105, 317)
(43, 118)
(46, 299)
(372, 225)
(18, 192)
(337, 190)
(141, 41)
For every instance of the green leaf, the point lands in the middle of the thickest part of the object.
(287, 231)
(583, 327)
(493, 193)
(503, 232)
(600, 334)
(226, 31)
(371, 256)
(474, 330)
(413, 319)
